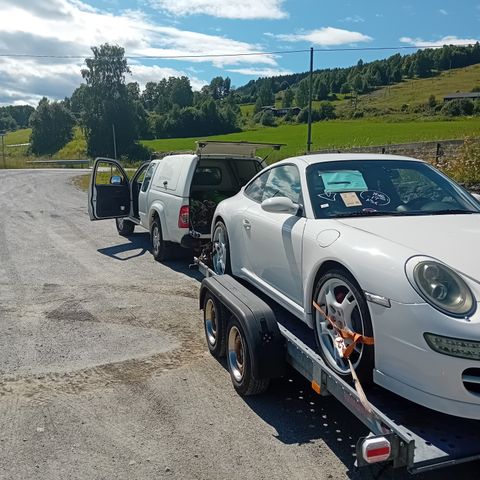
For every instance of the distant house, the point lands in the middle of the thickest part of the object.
(281, 112)
(461, 96)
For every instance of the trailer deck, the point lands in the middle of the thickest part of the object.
(421, 439)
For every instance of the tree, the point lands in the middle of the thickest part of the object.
(301, 96)
(108, 104)
(52, 127)
(219, 88)
(181, 93)
(288, 97)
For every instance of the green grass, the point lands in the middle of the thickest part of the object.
(75, 149)
(17, 157)
(338, 134)
(417, 91)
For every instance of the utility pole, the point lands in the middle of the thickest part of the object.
(114, 142)
(2, 134)
(310, 94)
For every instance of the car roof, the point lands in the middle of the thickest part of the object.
(336, 157)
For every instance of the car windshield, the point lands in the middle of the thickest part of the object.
(355, 188)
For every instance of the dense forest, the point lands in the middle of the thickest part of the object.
(364, 77)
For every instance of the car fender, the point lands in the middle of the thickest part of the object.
(378, 269)
(158, 208)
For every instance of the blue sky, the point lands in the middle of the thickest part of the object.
(58, 28)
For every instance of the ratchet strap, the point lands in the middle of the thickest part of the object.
(346, 334)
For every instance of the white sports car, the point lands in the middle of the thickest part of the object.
(387, 247)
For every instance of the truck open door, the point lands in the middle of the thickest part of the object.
(109, 193)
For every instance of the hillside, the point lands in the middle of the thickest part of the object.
(414, 92)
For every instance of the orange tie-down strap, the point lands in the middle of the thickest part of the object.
(346, 334)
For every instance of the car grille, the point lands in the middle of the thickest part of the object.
(471, 380)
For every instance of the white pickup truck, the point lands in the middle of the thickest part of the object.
(173, 197)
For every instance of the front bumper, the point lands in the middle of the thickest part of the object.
(406, 365)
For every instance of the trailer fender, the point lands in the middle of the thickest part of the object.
(266, 343)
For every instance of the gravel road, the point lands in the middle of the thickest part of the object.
(104, 372)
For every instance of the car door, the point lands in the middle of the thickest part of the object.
(109, 191)
(143, 205)
(135, 187)
(273, 241)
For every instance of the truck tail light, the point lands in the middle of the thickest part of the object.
(184, 217)
(376, 450)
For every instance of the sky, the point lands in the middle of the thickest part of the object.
(36, 34)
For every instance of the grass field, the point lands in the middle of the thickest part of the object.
(417, 91)
(338, 134)
(17, 157)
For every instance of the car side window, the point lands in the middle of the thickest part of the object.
(148, 177)
(283, 181)
(254, 191)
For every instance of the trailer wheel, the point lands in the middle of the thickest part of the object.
(215, 324)
(239, 362)
(124, 227)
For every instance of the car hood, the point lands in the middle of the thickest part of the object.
(452, 239)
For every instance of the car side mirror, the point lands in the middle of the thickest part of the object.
(280, 205)
(116, 180)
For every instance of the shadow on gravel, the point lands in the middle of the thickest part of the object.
(139, 243)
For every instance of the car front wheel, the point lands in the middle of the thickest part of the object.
(339, 296)
(124, 227)
(221, 250)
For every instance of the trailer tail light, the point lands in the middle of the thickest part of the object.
(376, 449)
(184, 217)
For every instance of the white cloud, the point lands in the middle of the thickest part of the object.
(447, 40)
(260, 72)
(353, 19)
(240, 9)
(70, 27)
(443, 12)
(327, 37)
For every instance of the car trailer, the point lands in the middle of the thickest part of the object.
(260, 338)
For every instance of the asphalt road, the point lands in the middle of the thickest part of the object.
(103, 367)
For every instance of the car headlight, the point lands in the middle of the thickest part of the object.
(443, 288)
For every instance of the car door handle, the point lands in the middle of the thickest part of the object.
(246, 224)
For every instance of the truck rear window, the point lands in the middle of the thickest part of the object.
(207, 176)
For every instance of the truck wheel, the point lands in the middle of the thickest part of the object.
(221, 250)
(124, 227)
(339, 295)
(239, 362)
(161, 249)
(215, 324)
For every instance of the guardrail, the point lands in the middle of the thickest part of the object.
(59, 162)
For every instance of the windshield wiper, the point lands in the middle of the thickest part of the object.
(452, 211)
(368, 214)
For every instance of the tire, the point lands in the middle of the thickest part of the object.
(239, 362)
(215, 325)
(221, 250)
(161, 250)
(124, 227)
(339, 295)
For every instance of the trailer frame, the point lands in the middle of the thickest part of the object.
(420, 439)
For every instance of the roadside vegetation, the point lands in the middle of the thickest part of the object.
(399, 99)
